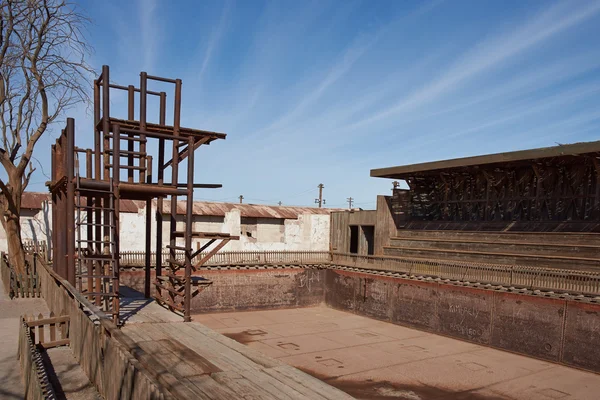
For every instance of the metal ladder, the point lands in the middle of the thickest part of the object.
(97, 266)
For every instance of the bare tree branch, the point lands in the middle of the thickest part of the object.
(43, 73)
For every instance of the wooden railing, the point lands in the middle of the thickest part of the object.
(20, 285)
(35, 378)
(51, 332)
(105, 354)
(137, 258)
(37, 247)
(533, 278)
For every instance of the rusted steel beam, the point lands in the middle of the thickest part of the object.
(188, 233)
(130, 143)
(160, 179)
(70, 203)
(184, 153)
(126, 88)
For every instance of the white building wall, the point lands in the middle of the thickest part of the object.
(308, 232)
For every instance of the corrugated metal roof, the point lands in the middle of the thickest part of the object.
(34, 200)
(247, 210)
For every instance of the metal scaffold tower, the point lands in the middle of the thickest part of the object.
(86, 205)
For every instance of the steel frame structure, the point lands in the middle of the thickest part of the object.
(86, 207)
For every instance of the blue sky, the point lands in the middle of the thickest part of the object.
(322, 91)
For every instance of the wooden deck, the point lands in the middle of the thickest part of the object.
(194, 362)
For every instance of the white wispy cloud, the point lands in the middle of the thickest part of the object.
(492, 53)
(150, 33)
(214, 40)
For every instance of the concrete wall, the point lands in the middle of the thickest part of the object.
(308, 232)
(250, 289)
(552, 329)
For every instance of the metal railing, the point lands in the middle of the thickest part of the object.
(137, 258)
(533, 278)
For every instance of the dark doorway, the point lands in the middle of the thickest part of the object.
(354, 239)
(369, 233)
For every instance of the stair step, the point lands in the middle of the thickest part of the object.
(171, 261)
(562, 238)
(182, 248)
(536, 260)
(498, 246)
(168, 302)
(97, 276)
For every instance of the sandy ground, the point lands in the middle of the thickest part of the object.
(371, 359)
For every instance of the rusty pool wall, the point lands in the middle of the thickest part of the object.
(559, 330)
(241, 289)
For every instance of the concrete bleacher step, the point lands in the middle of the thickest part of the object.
(575, 238)
(505, 258)
(503, 245)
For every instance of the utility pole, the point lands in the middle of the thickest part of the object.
(279, 204)
(320, 201)
(241, 198)
(350, 200)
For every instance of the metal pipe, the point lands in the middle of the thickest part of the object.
(137, 90)
(143, 116)
(160, 178)
(148, 254)
(116, 227)
(161, 79)
(188, 233)
(70, 203)
(130, 117)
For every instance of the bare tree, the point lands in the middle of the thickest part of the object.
(42, 73)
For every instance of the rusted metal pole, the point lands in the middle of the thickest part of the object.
(90, 229)
(70, 153)
(143, 115)
(130, 117)
(188, 232)
(116, 197)
(106, 148)
(175, 180)
(148, 233)
(160, 179)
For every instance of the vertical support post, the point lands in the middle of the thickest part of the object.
(116, 227)
(130, 117)
(106, 148)
(98, 176)
(90, 229)
(143, 107)
(160, 179)
(188, 231)
(148, 233)
(175, 178)
(70, 153)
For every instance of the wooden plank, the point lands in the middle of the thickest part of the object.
(252, 354)
(272, 386)
(219, 354)
(311, 383)
(47, 321)
(56, 343)
(208, 388)
(41, 329)
(243, 387)
(52, 328)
